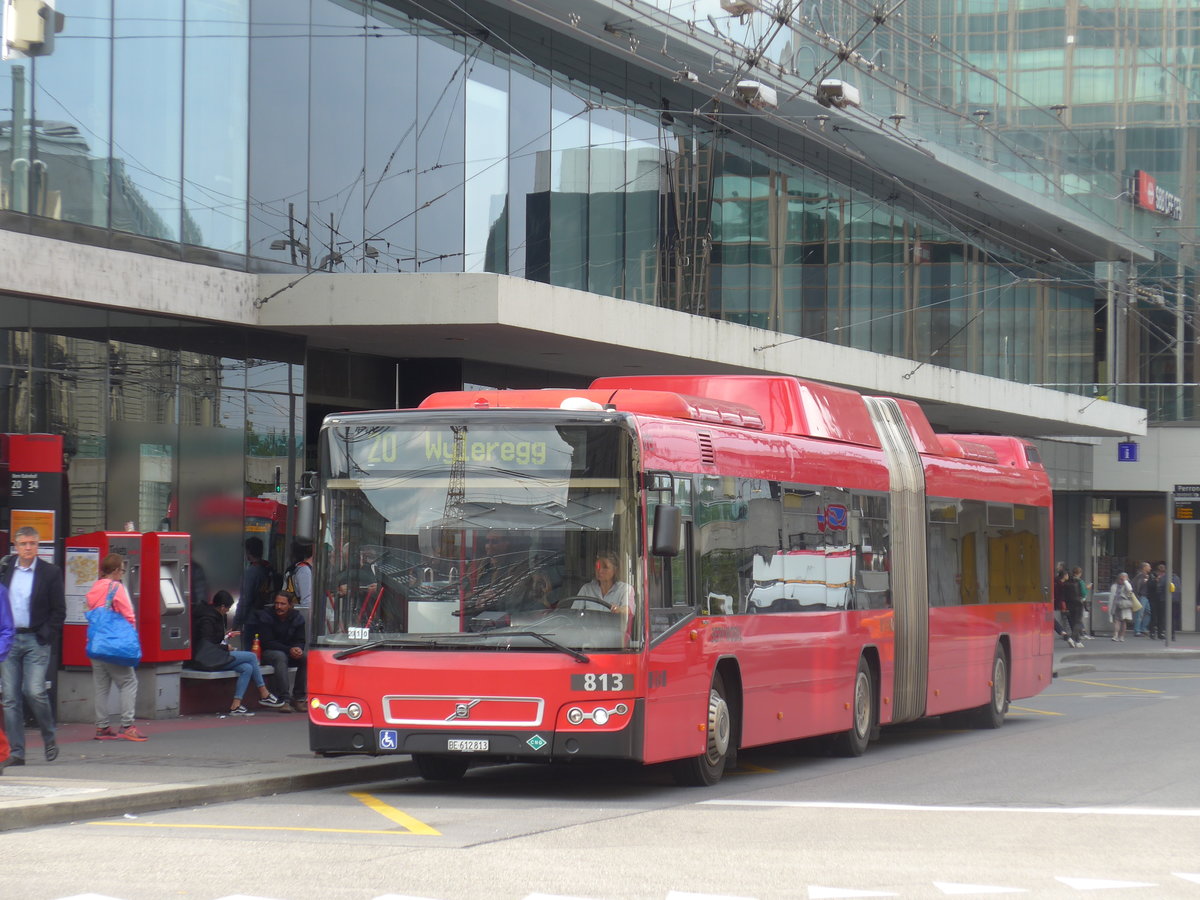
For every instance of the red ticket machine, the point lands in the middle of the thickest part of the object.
(157, 576)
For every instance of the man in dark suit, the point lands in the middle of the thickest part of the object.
(39, 607)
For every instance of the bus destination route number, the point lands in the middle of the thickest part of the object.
(600, 681)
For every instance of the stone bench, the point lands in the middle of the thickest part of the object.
(203, 692)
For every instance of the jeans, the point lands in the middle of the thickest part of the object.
(280, 681)
(24, 675)
(245, 664)
(1141, 619)
(104, 676)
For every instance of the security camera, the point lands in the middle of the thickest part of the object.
(758, 95)
(841, 94)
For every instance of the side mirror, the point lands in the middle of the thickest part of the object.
(667, 521)
(306, 517)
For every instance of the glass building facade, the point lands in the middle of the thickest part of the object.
(166, 425)
(360, 137)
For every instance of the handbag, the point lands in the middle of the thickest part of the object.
(212, 657)
(110, 637)
(1137, 604)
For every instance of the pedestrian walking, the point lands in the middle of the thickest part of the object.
(1063, 590)
(109, 589)
(39, 608)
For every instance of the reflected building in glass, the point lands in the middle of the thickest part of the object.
(187, 150)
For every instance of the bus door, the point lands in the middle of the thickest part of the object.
(676, 671)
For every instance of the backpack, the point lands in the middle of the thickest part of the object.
(268, 587)
(289, 577)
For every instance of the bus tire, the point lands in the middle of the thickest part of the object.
(436, 767)
(707, 768)
(991, 714)
(854, 740)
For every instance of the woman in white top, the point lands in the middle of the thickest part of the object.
(1120, 605)
(616, 595)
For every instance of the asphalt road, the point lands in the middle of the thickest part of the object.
(1089, 788)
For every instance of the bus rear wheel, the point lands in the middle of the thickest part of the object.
(434, 767)
(707, 768)
(854, 741)
(991, 714)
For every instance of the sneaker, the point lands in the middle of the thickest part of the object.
(105, 734)
(51, 752)
(271, 700)
(240, 710)
(130, 733)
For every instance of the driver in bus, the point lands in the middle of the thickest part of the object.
(616, 595)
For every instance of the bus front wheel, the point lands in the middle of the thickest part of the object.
(434, 767)
(707, 768)
(853, 741)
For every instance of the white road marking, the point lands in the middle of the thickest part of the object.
(1195, 879)
(1024, 810)
(1102, 884)
(947, 887)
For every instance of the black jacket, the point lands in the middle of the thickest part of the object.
(47, 602)
(208, 636)
(275, 633)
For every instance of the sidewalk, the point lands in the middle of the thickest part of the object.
(188, 761)
(193, 760)
(1069, 661)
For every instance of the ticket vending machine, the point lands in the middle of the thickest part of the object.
(158, 578)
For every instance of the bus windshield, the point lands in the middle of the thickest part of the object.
(502, 533)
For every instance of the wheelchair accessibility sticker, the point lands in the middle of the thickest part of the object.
(387, 739)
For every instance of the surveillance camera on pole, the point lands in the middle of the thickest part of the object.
(758, 95)
(832, 92)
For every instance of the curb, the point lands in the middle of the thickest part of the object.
(158, 797)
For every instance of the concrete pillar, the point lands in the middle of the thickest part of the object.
(157, 698)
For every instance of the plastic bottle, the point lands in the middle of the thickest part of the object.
(256, 649)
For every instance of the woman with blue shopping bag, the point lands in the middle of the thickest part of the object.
(112, 646)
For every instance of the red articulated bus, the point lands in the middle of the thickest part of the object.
(668, 569)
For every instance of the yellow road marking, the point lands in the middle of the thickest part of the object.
(402, 819)
(405, 821)
(1116, 687)
(389, 831)
(1040, 712)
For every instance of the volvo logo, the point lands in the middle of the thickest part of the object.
(461, 711)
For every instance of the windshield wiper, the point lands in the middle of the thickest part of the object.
(383, 642)
(548, 641)
(442, 643)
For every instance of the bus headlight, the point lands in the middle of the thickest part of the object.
(599, 715)
(332, 710)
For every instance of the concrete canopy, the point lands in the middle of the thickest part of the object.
(510, 321)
